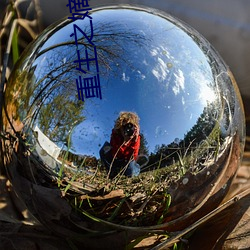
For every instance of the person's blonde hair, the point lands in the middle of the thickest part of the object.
(126, 117)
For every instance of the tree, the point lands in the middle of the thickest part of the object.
(57, 117)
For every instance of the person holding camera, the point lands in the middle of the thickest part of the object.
(119, 156)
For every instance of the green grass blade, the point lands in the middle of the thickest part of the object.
(117, 209)
(168, 203)
(70, 184)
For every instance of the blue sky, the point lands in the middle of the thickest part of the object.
(160, 73)
(168, 87)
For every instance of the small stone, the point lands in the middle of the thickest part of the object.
(185, 181)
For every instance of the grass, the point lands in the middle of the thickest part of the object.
(139, 201)
(140, 195)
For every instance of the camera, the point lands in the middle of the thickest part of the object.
(128, 129)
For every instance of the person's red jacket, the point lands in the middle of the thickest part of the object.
(126, 151)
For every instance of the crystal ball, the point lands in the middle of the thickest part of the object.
(120, 121)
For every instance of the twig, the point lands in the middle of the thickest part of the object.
(39, 15)
(5, 64)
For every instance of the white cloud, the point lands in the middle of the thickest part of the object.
(142, 76)
(183, 101)
(154, 52)
(125, 78)
(206, 93)
(161, 70)
(179, 82)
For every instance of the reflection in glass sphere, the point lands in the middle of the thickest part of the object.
(152, 140)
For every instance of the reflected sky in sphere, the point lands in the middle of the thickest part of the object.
(148, 64)
(167, 83)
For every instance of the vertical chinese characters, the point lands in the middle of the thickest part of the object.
(87, 63)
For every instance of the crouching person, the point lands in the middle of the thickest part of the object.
(120, 155)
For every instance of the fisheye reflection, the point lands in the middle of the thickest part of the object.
(169, 122)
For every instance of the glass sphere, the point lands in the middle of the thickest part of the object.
(124, 121)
